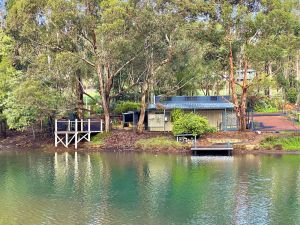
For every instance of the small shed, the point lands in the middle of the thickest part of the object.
(130, 118)
(218, 110)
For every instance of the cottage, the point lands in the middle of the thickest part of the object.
(250, 75)
(217, 109)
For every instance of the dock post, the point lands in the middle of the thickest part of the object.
(55, 132)
(101, 126)
(76, 133)
(67, 139)
(81, 125)
(89, 130)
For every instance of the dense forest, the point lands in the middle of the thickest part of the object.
(88, 56)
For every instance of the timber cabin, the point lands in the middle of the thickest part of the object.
(217, 109)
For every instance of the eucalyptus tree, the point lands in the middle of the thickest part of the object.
(160, 27)
(95, 32)
(240, 34)
(7, 73)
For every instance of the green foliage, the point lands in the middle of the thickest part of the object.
(98, 139)
(286, 143)
(176, 114)
(266, 105)
(57, 44)
(159, 143)
(123, 107)
(292, 95)
(191, 123)
(30, 101)
(7, 71)
(266, 110)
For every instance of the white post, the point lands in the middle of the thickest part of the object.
(67, 139)
(89, 129)
(76, 134)
(69, 125)
(55, 132)
(101, 126)
(81, 125)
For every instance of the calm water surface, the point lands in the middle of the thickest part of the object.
(120, 188)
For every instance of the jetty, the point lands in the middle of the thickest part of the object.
(217, 148)
(74, 131)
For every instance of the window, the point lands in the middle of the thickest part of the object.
(192, 98)
(214, 98)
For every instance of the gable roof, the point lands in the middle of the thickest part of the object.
(192, 102)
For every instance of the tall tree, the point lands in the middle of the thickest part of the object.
(93, 31)
(240, 29)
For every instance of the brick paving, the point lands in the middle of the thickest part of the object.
(276, 123)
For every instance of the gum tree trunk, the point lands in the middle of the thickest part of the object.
(104, 98)
(140, 125)
(239, 107)
(79, 94)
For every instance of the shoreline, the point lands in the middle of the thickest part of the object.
(124, 141)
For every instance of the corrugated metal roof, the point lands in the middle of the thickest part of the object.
(192, 102)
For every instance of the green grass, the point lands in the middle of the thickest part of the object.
(159, 143)
(286, 143)
(98, 139)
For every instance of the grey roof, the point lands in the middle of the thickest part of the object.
(192, 102)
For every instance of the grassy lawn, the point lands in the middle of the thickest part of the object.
(98, 139)
(284, 143)
(160, 143)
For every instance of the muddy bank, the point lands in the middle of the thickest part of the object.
(117, 141)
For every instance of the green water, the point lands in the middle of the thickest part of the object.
(120, 188)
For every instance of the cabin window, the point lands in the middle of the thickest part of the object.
(191, 98)
(214, 98)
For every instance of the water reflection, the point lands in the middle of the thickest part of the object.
(120, 188)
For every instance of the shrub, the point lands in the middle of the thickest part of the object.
(292, 95)
(123, 107)
(191, 124)
(177, 114)
(266, 105)
(284, 143)
(266, 110)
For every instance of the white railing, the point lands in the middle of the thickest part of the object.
(68, 130)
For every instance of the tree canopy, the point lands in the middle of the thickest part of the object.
(58, 56)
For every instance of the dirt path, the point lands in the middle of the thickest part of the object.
(276, 123)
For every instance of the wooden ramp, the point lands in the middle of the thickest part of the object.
(68, 131)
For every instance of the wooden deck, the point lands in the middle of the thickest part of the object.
(212, 149)
(68, 131)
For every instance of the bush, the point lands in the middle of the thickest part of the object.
(123, 107)
(191, 124)
(266, 105)
(177, 114)
(292, 95)
(266, 110)
(286, 143)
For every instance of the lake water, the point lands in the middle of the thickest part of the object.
(130, 188)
